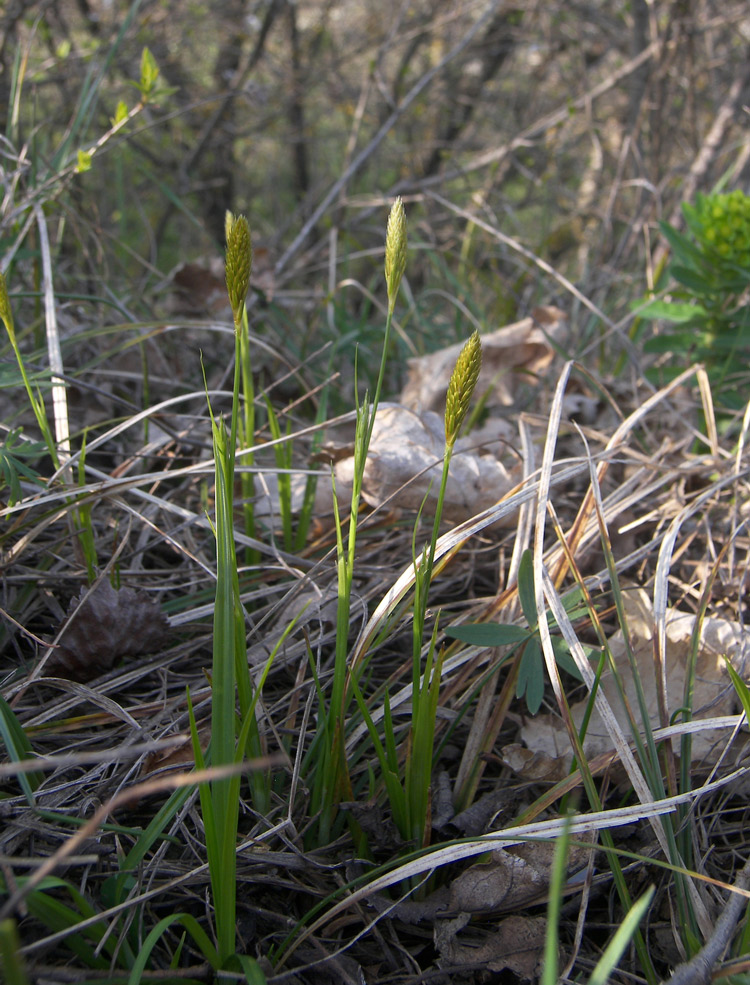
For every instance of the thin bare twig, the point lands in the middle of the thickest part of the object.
(384, 130)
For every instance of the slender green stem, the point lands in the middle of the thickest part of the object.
(332, 782)
(247, 434)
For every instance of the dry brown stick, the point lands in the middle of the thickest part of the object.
(536, 129)
(382, 133)
(697, 971)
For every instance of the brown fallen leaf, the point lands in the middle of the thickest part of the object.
(179, 755)
(405, 460)
(533, 765)
(108, 626)
(511, 878)
(546, 736)
(516, 944)
(510, 355)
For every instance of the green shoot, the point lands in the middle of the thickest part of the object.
(11, 962)
(35, 399)
(19, 749)
(332, 783)
(246, 436)
(230, 674)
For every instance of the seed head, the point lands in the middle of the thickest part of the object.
(395, 251)
(462, 383)
(239, 259)
(5, 311)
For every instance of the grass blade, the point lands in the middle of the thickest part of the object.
(19, 749)
(616, 947)
(11, 962)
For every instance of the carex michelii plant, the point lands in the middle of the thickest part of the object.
(327, 755)
(235, 735)
(405, 777)
(408, 784)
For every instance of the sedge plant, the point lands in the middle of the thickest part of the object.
(233, 737)
(408, 784)
(331, 783)
(231, 682)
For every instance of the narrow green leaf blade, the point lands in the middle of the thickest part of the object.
(11, 962)
(743, 693)
(531, 676)
(616, 947)
(526, 592)
(19, 748)
(488, 634)
(674, 311)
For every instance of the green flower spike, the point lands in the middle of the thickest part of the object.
(395, 251)
(5, 313)
(463, 380)
(239, 259)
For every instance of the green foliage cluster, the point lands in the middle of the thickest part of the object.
(708, 305)
(721, 223)
(524, 643)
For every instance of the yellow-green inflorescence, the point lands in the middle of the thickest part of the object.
(6, 315)
(395, 251)
(722, 225)
(239, 259)
(463, 380)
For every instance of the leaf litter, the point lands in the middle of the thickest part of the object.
(718, 640)
(112, 632)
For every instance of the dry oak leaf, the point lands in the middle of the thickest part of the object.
(533, 765)
(512, 877)
(713, 693)
(510, 355)
(517, 944)
(108, 625)
(405, 460)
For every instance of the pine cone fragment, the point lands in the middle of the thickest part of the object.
(109, 625)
